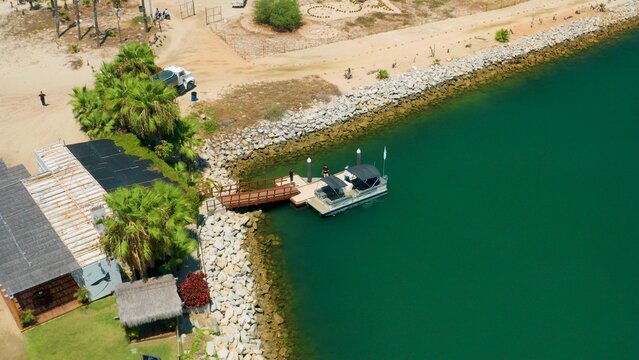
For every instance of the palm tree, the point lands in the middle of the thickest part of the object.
(135, 58)
(185, 132)
(87, 109)
(143, 106)
(149, 225)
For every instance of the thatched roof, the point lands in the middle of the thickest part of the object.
(140, 302)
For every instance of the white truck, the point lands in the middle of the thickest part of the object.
(238, 3)
(177, 77)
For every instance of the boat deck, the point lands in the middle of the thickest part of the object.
(307, 190)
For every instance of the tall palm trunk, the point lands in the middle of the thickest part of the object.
(95, 17)
(56, 14)
(77, 17)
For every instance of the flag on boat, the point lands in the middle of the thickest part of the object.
(384, 152)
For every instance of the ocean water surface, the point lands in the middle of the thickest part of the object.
(511, 228)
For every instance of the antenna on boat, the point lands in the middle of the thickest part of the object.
(384, 164)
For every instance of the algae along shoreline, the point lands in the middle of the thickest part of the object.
(259, 160)
(518, 244)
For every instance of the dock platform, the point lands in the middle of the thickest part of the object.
(307, 190)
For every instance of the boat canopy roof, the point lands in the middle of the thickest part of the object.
(334, 182)
(364, 172)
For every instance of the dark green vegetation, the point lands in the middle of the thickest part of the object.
(127, 100)
(281, 15)
(502, 35)
(148, 228)
(91, 332)
(82, 295)
(509, 231)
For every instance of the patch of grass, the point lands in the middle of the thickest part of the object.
(379, 15)
(436, 3)
(365, 21)
(140, 19)
(208, 127)
(74, 48)
(275, 112)
(91, 333)
(448, 12)
(244, 105)
(419, 2)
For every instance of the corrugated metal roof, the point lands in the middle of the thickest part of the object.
(67, 195)
(31, 252)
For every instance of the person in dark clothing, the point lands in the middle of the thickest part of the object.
(42, 95)
(325, 171)
(290, 175)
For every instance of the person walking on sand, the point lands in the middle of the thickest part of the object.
(42, 95)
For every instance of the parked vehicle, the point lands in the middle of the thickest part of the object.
(178, 77)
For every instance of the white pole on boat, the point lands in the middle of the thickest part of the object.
(309, 172)
(359, 156)
(384, 165)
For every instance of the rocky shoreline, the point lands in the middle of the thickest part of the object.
(250, 322)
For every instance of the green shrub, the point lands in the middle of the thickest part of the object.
(382, 74)
(262, 11)
(164, 150)
(132, 333)
(82, 295)
(275, 112)
(74, 48)
(139, 19)
(281, 15)
(86, 2)
(502, 35)
(27, 317)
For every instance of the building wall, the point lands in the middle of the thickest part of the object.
(100, 278)
(49, 295)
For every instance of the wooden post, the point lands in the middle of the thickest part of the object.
(309, 171)
(143, 11)
(95, 21)
(56, 14)
(77, 17)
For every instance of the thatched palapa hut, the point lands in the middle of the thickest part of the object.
(146, 301)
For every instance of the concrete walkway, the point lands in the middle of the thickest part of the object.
(11, 340)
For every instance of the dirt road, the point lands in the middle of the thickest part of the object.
(11, 341)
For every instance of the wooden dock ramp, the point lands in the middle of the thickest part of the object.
(256, 192)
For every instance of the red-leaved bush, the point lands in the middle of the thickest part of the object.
(194, 292)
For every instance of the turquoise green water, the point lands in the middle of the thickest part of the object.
(511, 228)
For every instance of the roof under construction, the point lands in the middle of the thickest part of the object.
(31, 252)
(71, 199)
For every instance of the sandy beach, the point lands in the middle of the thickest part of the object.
(38, 63)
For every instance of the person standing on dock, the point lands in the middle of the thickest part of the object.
(325, 171)
(290, 176)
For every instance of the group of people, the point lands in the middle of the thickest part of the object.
(162, 15)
